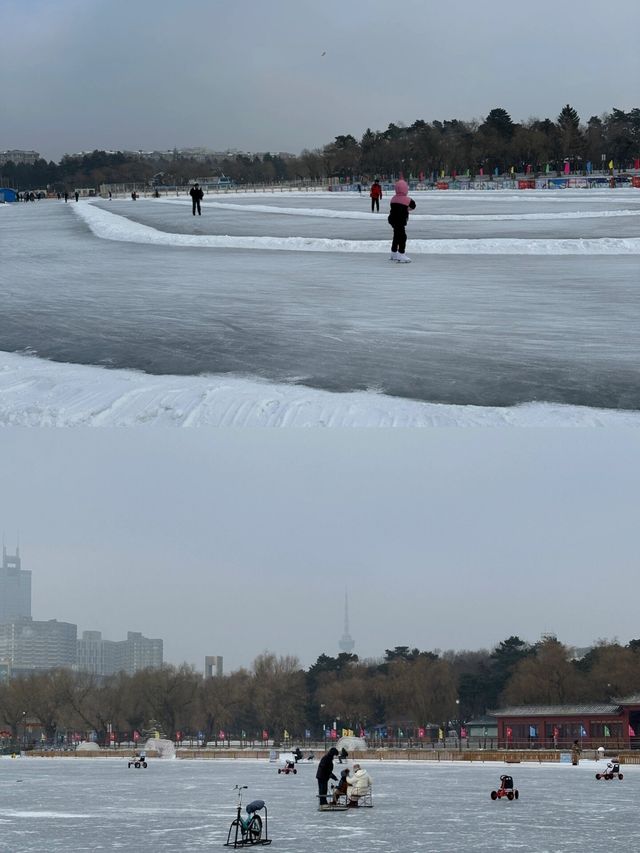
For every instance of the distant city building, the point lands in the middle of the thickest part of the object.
(15, 588)
(29, 645)
(347, 643)
(212, 666)
(17, 156)
(139, 652)
(107, 657)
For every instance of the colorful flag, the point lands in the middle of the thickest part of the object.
(285, 734)
(583, 731)
(631, 731)
(607, 732)
(420, 732)
(265, 734)
(440, 734)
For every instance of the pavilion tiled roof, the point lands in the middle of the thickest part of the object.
(555, 710)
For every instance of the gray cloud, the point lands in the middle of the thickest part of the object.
(251, 75)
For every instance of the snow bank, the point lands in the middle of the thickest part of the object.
(36, 392)
(430, 217)
(110, 226)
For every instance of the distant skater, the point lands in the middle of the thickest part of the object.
(196, 197)
(398, 217)
(77, 195)
(376, 195)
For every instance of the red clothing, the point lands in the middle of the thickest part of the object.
(376, 191)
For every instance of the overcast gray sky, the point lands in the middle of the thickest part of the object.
(283, 75)
(234, 542)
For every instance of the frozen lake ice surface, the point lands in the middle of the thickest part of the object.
(65, 805)
(282, 310)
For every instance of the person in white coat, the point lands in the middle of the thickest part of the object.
(359, 784)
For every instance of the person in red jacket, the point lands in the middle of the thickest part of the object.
(376, 195)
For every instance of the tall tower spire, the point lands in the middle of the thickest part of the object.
(346, 644)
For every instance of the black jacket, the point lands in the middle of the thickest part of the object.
(399, 215)
(325, 767)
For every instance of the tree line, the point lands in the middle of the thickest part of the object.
(402, 692)
(496, 144)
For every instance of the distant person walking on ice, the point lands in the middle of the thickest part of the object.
(575, 753)
(398, 217)
(376, 195)
(196, 197)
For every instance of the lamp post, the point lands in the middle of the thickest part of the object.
(459, 725)
(24, 729)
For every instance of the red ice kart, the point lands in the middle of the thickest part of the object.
(506, 789)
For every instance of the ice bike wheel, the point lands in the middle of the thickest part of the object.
(254, 830)
(494, 795)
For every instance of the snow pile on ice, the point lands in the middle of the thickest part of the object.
(163, 748)
(110, 226)
(352, 744)
(88, 746)
(36, 392)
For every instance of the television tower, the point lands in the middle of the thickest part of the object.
(346, 643)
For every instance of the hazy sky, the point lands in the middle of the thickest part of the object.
(282, 75)
(234, 542)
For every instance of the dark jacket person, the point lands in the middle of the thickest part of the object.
(196, 197)
(324, 773)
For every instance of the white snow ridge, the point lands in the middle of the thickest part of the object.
(36, 392)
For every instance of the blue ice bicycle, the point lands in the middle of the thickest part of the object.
(247, 831)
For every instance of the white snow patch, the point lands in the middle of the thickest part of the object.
(36, 392)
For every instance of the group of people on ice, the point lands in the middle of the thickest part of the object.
(398, 217)
(351, 786)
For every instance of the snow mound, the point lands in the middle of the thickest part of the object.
(88, 746)
(352, 744)
(164, 748)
